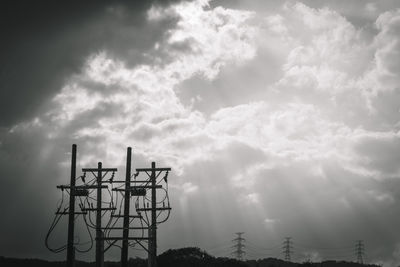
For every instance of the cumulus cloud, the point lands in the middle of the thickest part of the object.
(149, 112)
(387, 50)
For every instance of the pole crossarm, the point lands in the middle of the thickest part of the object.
(121, 238)
(130, 216)
(150, 209)
(81, 186)
(136, 187)
(123, 182)
(152, 169)
(95, 209)
(122, 228)
(66, 212)
(99, 169)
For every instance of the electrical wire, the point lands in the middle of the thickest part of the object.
(114, 201)
(57, 218)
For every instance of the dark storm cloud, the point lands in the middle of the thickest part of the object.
(44, 42)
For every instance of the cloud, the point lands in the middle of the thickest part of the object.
(189, 188)
(387, 50)
(45, 45)
(380, 152)
(288, 112)
(42, 46)
(139, 105)
(252, 198)
(269, 221)
(111, 103)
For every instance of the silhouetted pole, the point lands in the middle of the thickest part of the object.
(287, 248)
(71, 213)
(153, 226)
(360, 251)
(99, 233)
(239, 246)
(125, 233)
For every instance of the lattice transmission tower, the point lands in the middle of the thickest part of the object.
(287, 248)
(239, 247)
(360, 251)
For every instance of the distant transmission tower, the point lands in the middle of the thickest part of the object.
(287, 248)
(239, 246)
(360, 251)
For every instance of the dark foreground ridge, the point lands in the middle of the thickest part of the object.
(184, 257)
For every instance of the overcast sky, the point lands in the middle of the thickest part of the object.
(278, 119)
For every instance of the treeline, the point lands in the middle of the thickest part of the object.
(184, 257)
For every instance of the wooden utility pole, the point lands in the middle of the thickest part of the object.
(153, 173)
(133, 188)
(127, 197)
(153, 225)
(74, 191)
(99, 209)
(99, 232)
(71, 212)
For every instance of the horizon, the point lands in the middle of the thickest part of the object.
(202, 250)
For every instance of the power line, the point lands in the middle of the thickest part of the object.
(74, 192)
(148, 210)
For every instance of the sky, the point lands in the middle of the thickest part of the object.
(278, 119)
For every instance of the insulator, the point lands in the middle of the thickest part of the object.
(83, 177)
(166, 177)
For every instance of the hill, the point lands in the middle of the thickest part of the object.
(183, 257)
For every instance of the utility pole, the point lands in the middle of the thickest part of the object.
(99, 209)
(71, 212)
(139, 190)
(287, 248)
(133, 188)
(99, 232)
(239, 246)
(153, 173)
(74, 191)
(127, 197)
(360, 251)
(153, 226)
